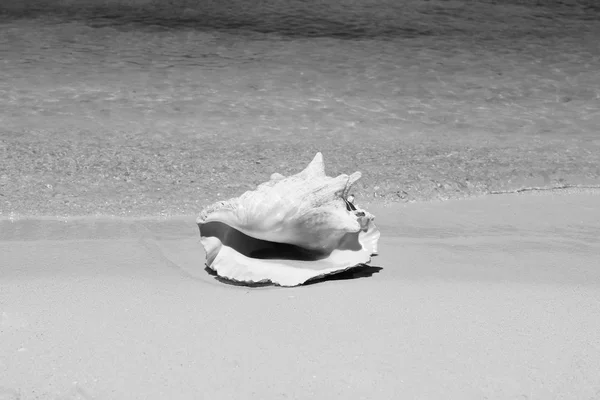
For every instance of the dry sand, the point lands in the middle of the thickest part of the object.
(485, 298)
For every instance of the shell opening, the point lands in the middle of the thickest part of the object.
(262, 249)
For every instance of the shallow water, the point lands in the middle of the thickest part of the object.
(143, 108)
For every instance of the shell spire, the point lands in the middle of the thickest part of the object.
(316, 168)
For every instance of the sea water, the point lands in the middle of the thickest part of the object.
(151, 107)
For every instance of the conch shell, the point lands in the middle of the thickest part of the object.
(289, 230)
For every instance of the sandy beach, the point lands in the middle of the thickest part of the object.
(474, 123)
(485, 298)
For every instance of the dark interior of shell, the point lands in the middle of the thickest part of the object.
(263, 249)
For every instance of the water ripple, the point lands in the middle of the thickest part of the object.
(343, 19)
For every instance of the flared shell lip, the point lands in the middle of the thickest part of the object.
(266, 282)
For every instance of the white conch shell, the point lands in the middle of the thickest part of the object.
(289, 230)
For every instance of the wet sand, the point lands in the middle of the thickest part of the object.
(495, 297)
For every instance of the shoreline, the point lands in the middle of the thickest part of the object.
(156, 217)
